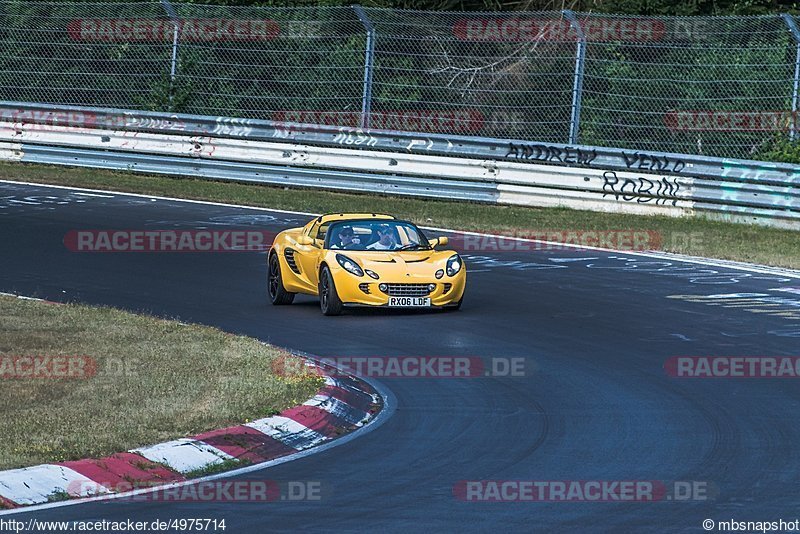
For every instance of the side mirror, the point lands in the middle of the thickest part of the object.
(305, 240)
(438, 242)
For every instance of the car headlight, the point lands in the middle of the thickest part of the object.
(349, 265)
(371, 274)
(439, 273)
(453, 265)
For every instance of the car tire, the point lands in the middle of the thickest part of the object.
(275, 290)
(329, 301)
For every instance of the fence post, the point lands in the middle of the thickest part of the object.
(577, 85)
(789, 20)
(173, 71)
(369, 60)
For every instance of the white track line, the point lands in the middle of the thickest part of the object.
(22, 297)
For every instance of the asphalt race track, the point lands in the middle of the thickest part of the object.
(594, 328)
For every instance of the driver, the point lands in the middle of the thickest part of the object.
(386, 240)
(347, 238)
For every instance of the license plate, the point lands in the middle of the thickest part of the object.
(409, 302)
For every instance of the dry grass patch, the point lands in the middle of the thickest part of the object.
(155, 380)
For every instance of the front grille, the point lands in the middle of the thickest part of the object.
(407, 290)
(288, 254)
(364, 288)
(447, 288)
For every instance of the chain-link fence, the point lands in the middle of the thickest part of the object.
(713, 85)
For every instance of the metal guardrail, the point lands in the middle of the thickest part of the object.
(284, 176)
(467, 168)
(397, 141)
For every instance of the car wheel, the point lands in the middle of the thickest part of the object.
(329, 301)
(277, 293)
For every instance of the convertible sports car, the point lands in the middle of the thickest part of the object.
(364, 259)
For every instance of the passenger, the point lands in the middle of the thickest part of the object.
(386, 240)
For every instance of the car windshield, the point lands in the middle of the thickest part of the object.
(375, 234)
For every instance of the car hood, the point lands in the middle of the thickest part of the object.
(422, 262)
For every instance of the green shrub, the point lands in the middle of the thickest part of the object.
(780, 148)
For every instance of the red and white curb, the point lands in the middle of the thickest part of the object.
(33, 485)
(343, 405)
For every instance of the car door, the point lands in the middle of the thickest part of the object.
(309, 256)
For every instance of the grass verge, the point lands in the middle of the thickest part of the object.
(213, 469)
(138, 381)
(694, 236)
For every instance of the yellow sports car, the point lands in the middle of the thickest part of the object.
(364, 259)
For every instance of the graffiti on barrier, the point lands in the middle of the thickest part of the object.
(652, 162)
(426, 144)
(733, 194)
(232, 127)
(354, 136)
(174, 123)
(764, 171)
(643, 190)
(551, 153)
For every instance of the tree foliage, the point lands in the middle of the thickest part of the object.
(628, 7)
